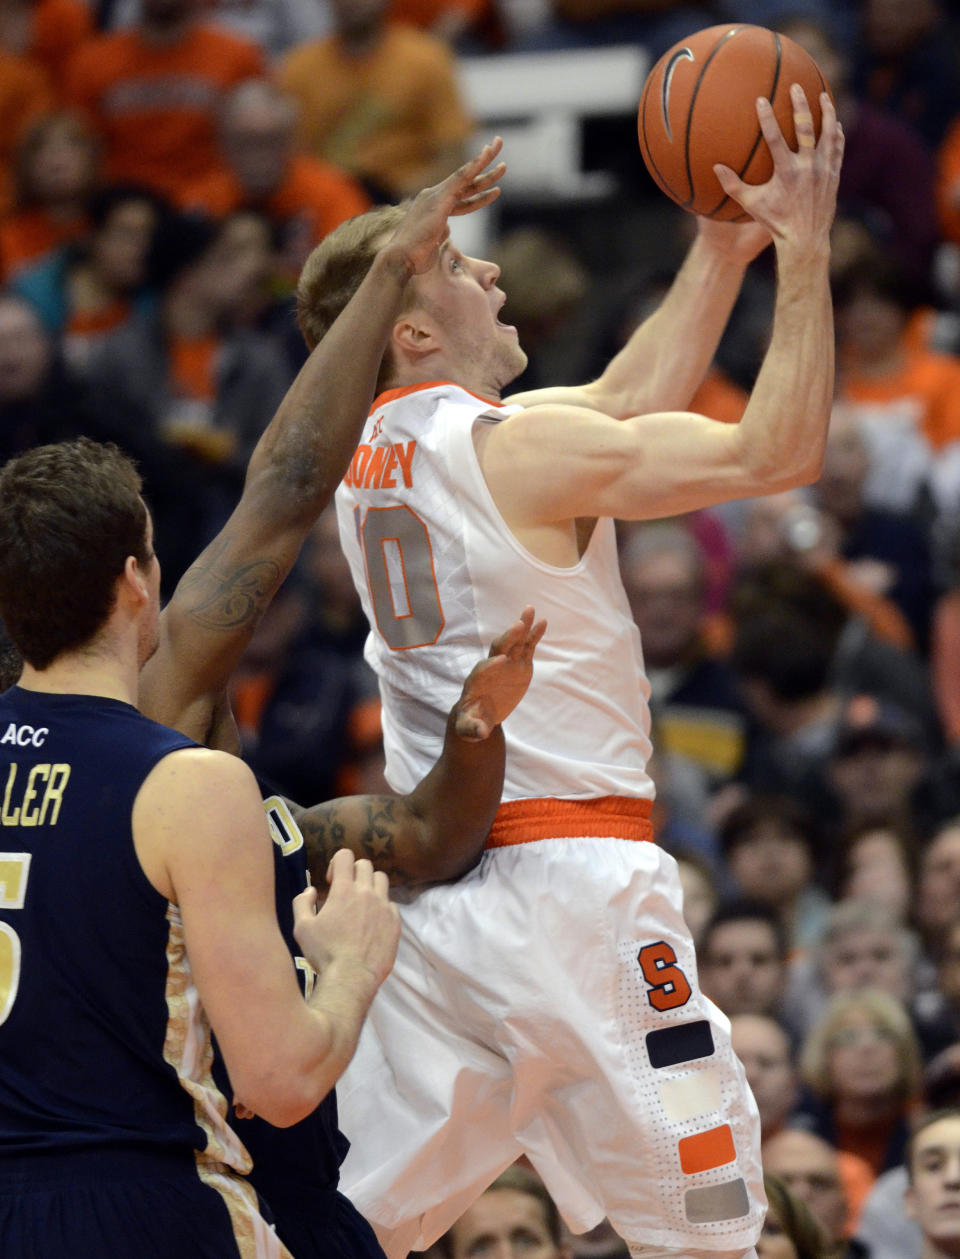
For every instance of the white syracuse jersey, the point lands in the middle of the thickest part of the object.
(440, 575)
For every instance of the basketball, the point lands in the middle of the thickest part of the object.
(698, 107)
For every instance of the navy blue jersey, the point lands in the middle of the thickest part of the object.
(297, 1169)
(102, 1040)
(308, 1154)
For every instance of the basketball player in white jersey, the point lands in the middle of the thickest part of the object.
(547, 1003)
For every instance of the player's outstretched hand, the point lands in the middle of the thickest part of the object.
(497, 685)
(740, 242)
(798, 202)
(418, 239)
(356, 925)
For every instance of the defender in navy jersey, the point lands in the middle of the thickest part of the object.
(437, 831)
(136, 912)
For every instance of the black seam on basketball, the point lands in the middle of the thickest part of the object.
(752, 153)
(648, 152)
(693, 100)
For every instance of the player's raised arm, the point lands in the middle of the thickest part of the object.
(201, 836)
(437, 832)
(298, 463)
(668, 355)
(662, 464)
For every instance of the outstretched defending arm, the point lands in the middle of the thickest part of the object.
(295, 468)
(437, 832)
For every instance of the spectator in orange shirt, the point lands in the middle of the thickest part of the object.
(55, 170)
(153, 92)
(46, 31)
(303, 197)
(906, 397)
(24, 94)
(379, 100)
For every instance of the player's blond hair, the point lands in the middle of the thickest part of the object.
(338, 266)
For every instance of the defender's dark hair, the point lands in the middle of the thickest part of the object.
(70, 515)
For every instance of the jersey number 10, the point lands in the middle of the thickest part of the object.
(401, 577)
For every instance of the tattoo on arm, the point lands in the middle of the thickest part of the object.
(227, 599)
(370, 826)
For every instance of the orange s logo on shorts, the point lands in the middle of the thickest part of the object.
(668, 985)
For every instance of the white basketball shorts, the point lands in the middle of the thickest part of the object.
(547, 1004)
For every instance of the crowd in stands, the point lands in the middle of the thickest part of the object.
(165, 168)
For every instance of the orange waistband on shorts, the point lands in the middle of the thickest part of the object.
(522, 821)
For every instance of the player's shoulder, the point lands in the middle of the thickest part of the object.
(192, 775)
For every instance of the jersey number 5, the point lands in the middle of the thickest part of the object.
(668, 985)
(14, 868)
(401, 577)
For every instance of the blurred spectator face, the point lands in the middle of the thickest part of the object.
(867, 957)
(878, 871)
(870, 324)
(845, 465)
(808, 1166)
(933, 1197)
(59, 162)
(327, 567)
(741, 969)
(357, 18)
(764, 536)
(938, 890)
(893, 27)
(119, 249)
(699, 896)
(762, 1046)
(771, 864)
(258, 137)
(875, 778)
(235, 272)
(666, 601)
(504, 1224)
(813, 40)
(864, 1061)
(25, 351)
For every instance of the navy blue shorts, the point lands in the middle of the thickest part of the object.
(128, 1204)
(320, 1223)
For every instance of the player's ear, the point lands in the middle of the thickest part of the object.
(135, 579)
(414, 335)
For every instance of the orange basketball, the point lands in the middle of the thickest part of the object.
(699, 107)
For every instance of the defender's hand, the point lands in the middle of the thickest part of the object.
(357, 925)
(497, 685)
(798, 202)
(417, 240)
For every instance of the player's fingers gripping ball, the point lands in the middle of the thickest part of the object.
(698, 108)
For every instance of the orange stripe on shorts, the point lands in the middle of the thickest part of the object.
(705, 1150)
(544, 817)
